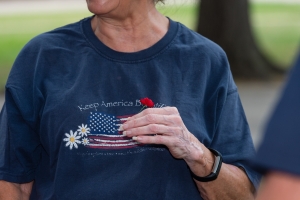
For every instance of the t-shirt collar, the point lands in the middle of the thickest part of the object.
(145, 54)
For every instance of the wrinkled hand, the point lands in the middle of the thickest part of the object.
(163, 126)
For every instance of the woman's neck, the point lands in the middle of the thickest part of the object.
(130, 31)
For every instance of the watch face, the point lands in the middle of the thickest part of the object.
(216, 164)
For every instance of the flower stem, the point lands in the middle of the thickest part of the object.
(143, 108)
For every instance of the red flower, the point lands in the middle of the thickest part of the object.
(147, 102)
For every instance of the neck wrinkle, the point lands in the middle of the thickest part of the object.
(133, 33)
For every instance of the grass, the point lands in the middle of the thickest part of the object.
(17, 30)
(276, 28)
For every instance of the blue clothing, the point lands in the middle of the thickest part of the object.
(68, 93)
(280, 147)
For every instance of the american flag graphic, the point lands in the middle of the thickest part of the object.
(105, 134)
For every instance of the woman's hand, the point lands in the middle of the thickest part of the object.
(165, 126)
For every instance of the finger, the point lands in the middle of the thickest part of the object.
(159, 111)
(156, 139)
(168, 120)
(153, 129)
(173, 143)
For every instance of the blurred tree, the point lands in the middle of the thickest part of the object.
(227, 23)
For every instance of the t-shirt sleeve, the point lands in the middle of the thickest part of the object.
(280, 149)
(232, 137)
(231, 132)
(20, 145)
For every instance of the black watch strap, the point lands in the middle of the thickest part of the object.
(216, 169)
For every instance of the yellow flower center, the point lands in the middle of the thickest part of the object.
(83, 130)
(72, 139)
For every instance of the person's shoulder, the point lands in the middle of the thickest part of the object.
(205, 54)
(195, 40)
(60, 36)
(295, 71)
(202, 48)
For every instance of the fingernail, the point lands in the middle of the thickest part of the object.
(135, 138)
(124, 133)
(121, 128)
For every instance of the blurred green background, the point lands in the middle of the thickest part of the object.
(276, 28)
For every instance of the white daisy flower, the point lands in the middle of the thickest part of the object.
(85, 141)
(83, 130)
(72, 139)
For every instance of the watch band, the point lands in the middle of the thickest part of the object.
(216, 169)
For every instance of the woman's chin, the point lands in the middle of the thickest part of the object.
(99, 7)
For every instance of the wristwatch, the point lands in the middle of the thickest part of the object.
(216, 169)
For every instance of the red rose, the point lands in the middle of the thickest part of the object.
(147, 102)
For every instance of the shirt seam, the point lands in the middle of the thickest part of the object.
(21, 176)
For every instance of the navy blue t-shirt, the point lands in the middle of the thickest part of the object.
(68, 93)
(280, 149)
